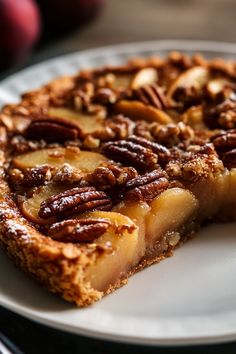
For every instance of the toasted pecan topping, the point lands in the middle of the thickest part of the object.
(117, 127)
(225, 145)
(171, 134)
(110, 175)
(229, 159)
(145, 187)
(81, 230)
(151, 95)
(52, 129)
(73, 201)
(130, 153)
(37, 176)
(222, 115)
(68, 173)
(225, 141)
(161, 151)
(191, 167)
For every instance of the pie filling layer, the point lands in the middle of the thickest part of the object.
(106, 172)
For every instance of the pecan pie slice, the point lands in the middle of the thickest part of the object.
(106, 172)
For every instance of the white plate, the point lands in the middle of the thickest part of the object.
(189, 298)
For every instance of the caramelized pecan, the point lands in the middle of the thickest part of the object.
(75, 200)
(222, 115)
(151, 95)
(37, 176)
(117, 127)
(225, 141)
(110, 175)
(81, 230)
(225, 145)
(145, 187)
(52, 129)
(171, 134)
(130, 153)
(161, 151)
(229, 159)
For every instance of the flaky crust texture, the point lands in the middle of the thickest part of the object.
(57, 265)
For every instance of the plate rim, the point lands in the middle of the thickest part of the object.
(127, 48)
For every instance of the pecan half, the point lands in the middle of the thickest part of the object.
(151, 95)
(229, 159)
(161, 151)
(130, 153)
(225, 141)
(73, 201)
(81, 230)
(145, 187)
(117, 127)
(52, 129)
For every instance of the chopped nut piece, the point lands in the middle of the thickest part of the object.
(109, 175)
(68, 173)
(222, 115)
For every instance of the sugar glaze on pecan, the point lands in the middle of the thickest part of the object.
(79, 230)
(73, 201)
(145, 187)
(52, 129)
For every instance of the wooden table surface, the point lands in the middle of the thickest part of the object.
(125, 21)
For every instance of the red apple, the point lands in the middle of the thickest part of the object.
(19, 29)
(63, 15)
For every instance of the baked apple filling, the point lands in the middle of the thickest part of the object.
(109, 171)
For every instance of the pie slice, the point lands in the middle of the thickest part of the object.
(107, 172)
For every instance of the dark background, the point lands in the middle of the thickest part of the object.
(119, 22)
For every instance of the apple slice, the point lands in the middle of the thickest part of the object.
(227, 210)
(86, 161)
(137, 212)
(88, 123)
(30, 207)
(169, 211)
(139, 111)
(194, 77)
(109, 267)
